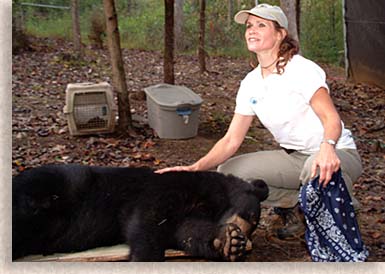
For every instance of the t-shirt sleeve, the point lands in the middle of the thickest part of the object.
(242, 101)
(311, 79)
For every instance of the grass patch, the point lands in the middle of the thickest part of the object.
(142, 31)
(50, 26)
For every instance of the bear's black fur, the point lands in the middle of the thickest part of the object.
(69, 208)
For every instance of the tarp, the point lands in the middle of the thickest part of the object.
(365, 40)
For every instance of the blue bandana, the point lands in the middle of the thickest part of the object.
(332, 233)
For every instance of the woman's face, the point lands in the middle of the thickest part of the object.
(261, 35)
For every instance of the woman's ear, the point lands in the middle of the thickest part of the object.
(283, 33)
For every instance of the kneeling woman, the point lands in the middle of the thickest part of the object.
(289, 95)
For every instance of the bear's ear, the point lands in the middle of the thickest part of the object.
(261, 189)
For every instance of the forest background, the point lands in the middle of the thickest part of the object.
(142, 22)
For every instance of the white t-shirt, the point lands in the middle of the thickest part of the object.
(282, 104)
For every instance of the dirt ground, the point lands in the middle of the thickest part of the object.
(41, 136)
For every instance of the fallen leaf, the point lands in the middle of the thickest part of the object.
(376, 235)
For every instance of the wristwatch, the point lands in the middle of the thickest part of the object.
(329, 141)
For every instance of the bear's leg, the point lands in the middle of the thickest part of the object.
(245, 215)
(145, 248)
(145, 240)
(207, 239)
(245, 208)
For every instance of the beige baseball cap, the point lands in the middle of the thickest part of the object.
(265, 11)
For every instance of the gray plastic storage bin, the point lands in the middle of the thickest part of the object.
(173, 111)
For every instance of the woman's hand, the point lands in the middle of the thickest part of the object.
(327, 161)
(176, 168)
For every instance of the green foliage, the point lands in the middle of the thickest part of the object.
(321, 25)
(40, 21)
(322, 30)
(50, 27)
(143, 29)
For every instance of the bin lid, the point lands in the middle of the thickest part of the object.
(167, 95)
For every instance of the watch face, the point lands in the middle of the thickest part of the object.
(330, 141)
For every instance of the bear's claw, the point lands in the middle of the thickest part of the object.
(230, 243)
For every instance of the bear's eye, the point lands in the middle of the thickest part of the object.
(54, 197)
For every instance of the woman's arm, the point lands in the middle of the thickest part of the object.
(327, 160)
(223, 149)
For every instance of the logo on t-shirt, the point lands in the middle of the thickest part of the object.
(253, 101)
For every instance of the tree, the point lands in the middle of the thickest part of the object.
(118, 74)
(19, 37)
(230, 12)
(178, 25)
(201, 44)
(168, 60)
(131, 5)
(290, 8)
(76, 27)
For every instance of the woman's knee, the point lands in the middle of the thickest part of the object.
(275, 167)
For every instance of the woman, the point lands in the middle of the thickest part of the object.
(289, 95)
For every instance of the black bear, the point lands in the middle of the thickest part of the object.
(70, 208)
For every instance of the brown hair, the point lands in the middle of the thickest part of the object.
(287, 49)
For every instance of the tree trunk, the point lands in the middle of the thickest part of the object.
(76, 27)
(298, 12)
(168, 63)
(131, 6)
(289, 7)
(201, 44)
(118, 75)
(178, 26)
(230, 12)
(332, 14)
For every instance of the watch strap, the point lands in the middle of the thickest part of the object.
(329, 141)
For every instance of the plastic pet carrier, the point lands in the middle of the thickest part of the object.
(90, 108)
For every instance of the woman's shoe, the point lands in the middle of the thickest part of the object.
(293, 223)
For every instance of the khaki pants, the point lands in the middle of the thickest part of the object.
(284, 173)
